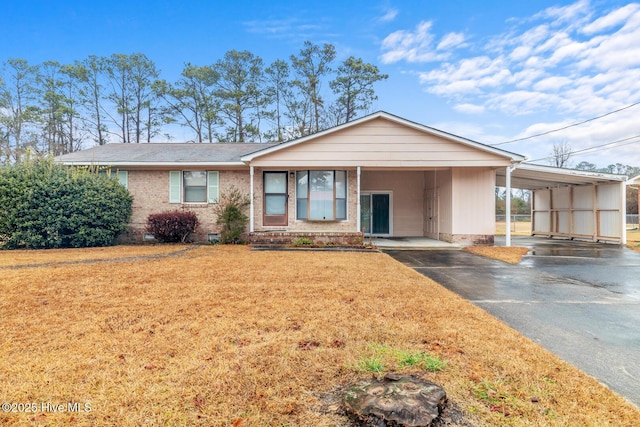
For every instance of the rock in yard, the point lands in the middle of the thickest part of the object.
(396, 400)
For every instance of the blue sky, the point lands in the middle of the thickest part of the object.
(491, 71)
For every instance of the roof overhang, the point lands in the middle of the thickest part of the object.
(533, 177)
(178, 165)
(634, 182)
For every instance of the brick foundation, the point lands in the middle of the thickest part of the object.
(468, 239)
(285, 238)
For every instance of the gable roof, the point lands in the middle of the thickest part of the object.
(163, 154)
(395, 119)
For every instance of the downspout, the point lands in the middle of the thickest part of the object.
(358, 207)
(251, 219)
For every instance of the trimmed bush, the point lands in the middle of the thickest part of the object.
(231, 216)
(47, 205)
(173, 226)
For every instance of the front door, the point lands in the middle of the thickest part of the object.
(431, 214)
(276, 198)
(375, 213)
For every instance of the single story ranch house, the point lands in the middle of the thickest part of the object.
(380, 175)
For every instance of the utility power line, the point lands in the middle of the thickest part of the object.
(594, 148)
(568, 126)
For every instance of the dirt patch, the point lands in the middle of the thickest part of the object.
(227, 336)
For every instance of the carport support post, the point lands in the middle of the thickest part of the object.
(507, 207)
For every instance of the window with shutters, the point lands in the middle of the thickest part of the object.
(193, 186)
(121, 176)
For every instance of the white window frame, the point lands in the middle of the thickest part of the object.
(335, 199)
(176, 187)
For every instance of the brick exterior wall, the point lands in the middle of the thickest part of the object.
(468, 239)
(150, 191)
(294, 225)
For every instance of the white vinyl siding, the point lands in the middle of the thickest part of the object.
(194, 186)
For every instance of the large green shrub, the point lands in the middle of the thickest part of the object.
(230, 212)
(47, 205)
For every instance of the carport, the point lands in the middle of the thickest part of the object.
(570, 204)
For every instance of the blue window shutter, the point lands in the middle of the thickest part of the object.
(175, 186)
(123, 178)
(213, 184)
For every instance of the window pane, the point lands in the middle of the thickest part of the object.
(321, 195)
(195, 194)
(275, 205)
(341, 184)
(321, 181)
(195, 178)
(195, 186)
(321, 209)
(302, 184)
(301, 208)
(341, 209)
(275, 182)
(302, 188)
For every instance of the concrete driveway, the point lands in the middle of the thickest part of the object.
(579, 300)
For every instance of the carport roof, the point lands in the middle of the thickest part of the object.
(532, 177)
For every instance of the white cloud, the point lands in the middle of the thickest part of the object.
(451, 40)
(417, 45)
(553, 83)
(389, 15)
(469, 108)
(613, 19)
(283, 28)
(545, 65)
(563, 65)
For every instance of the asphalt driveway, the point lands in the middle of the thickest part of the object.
(579, 300)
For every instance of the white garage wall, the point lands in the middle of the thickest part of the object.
(586, 212)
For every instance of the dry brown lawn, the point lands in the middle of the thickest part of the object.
(511, 254)
(517, 228)
(222, 336)
(633, 240)
(39, 257)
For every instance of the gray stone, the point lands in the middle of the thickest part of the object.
(396, 400)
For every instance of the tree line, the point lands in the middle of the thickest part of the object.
(56, 108)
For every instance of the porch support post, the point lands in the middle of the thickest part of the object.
(508, 207)
(358, 207)
(251, 219)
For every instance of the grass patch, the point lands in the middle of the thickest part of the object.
(224, 336)
(371, 364)
(511, 254)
